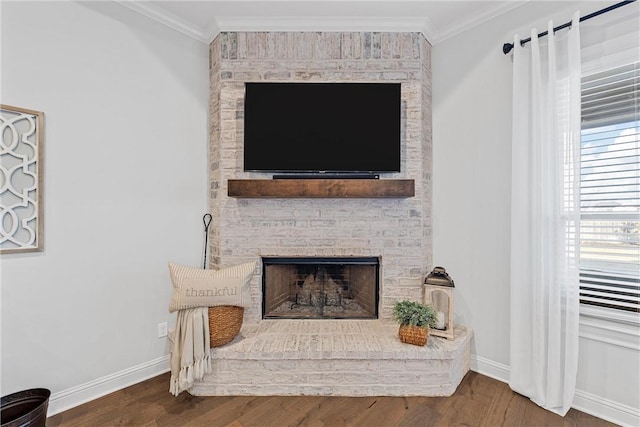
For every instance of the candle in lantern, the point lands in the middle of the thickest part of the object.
(441, 321)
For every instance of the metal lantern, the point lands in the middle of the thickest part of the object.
(438, 293)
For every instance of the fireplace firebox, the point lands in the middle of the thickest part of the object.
(320, 288)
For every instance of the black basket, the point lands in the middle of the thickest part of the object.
(25, 408)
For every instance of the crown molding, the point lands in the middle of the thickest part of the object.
(330, 23)
(423, 25)
(203, 35)
(440, 35)
(429, 31)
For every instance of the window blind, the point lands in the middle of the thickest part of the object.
(611, 97)
(610, 189)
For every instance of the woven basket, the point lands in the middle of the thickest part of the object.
(225, 322)
(415, 335)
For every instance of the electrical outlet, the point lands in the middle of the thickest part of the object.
(162, 329)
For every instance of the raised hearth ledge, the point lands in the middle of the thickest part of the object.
(308, 188)
(334, 358)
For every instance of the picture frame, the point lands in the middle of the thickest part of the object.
(21, 180)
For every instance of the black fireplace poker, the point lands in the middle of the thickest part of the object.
(206, 219)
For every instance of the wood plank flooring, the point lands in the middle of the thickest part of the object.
(478, 401)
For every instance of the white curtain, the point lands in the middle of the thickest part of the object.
(545, 218)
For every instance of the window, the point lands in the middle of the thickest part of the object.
(610, 189)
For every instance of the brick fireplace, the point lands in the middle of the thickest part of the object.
(327, 356)
(397, 231)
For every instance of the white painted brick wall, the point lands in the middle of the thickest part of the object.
(397, 230)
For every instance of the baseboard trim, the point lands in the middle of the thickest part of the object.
(491, 369)
(83, 393)
(606, 409)
(586, 402)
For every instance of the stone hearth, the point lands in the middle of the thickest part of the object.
(337, 358)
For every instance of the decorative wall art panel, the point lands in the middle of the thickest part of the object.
(21, 151)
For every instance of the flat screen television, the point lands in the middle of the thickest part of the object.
(341, 128)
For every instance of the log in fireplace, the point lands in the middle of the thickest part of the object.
(320, 288)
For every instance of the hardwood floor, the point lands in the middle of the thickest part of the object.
(478, 401)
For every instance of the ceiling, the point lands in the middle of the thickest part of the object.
(437, 20)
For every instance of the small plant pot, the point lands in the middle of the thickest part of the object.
(416, 335)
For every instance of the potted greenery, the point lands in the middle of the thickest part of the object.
(415, 321)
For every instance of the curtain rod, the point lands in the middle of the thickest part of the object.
(506, 48)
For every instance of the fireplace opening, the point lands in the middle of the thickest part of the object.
(320, 288)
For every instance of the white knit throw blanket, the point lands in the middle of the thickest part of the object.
(190, 355)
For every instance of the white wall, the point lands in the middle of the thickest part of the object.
(125, 102)
(472, 81)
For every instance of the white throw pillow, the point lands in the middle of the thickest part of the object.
(195, 287)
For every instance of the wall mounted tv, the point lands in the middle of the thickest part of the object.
(338, 128)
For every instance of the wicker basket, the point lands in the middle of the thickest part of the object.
(225, 322)
(415, 335)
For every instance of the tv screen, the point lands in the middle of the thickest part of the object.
(322, 127)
